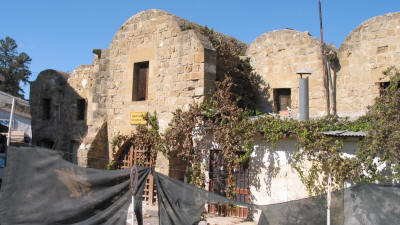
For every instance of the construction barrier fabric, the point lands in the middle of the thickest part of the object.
(40, 187)
(363, 204)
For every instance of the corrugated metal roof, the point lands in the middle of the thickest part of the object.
(345, 133)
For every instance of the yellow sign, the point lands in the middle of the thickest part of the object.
(137, 118)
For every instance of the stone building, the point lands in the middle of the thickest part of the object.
(361, 59)
(158, 62)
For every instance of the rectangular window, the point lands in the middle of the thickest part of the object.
(282, 100)
(81, 109)
(46, 108)
(140, 76)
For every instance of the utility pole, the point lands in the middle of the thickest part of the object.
(325, 77)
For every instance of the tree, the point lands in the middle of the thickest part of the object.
(379, 153)
(14, 67)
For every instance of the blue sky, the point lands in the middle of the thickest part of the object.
(61, 34)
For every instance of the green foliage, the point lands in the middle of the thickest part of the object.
(144, 136)
(111, 165)
(116, 140)
(382, 145)
(246, 86)
(14, 67)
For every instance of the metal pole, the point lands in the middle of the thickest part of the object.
(133, 210)
(328, 212)
(10, 123)
(303, 97)
(323, 62)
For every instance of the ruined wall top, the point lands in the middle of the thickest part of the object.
(135, 26)
(369, 30)
(364, 55)
(276, 57)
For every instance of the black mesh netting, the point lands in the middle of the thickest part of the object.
(42, 188)
(363, 204)
(182, 204)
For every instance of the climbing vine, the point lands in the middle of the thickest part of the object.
(144, 136)
(379, 153)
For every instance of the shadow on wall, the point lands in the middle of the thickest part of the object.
(264, 167)
(59, 114)
(263, 100)
(272, 178)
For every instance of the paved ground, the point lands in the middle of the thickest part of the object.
(151, 218)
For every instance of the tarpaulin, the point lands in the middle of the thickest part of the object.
(40, 187)
(362, 204)
(180, 203)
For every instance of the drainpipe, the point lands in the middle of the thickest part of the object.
(303, 94)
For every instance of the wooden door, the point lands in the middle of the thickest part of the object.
(217, 183)
(141, 157)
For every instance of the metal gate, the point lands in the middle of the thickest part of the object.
(141, 157)
(218, 182)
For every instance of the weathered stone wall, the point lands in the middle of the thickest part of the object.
(366, 52)
(278, 55)
(62, 126)
(182, 69)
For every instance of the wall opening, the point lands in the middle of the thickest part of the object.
(81, 109)
(139, 156)
(382, 87)
(282, 100)
(218, 183)
(46, 143)
(140, 77)
(46, 108)
(73, 156)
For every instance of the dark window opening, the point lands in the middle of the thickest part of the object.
(382, 87)
(46, 108)
(46, 143)
(282, 100)
(81, 109)
(140, 76)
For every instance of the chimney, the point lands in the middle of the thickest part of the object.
(303, 94)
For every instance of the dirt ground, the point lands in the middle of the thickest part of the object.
(150, 214)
